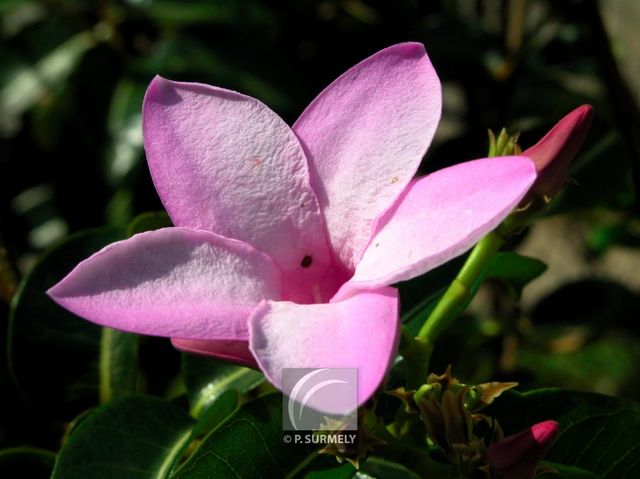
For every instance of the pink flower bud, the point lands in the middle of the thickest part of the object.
(518, 456)
(554, 152)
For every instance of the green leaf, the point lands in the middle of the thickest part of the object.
(137, 437)
(249, 444)
(125, 130)
(149, 221)
(420, 296)
(36, 207)
(560, 471)
(178, 13)
(376, 467)
(621, 19)
(119, 209)
(344, 471)
(590, 166)
(26, 462)
(188, 54)
(597, 433)
(45, 338)
(28, 83)
(16, 16)
(217, 411)
(207, 378)
(181, 14)
(514, 269)
(118, 364)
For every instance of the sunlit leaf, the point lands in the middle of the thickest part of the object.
(207, 379)
(27, 83)
(118, 364)
(18, 15)
(215, 412)
(36, 207)
(125, 129)
(514, 269)
(621, 18)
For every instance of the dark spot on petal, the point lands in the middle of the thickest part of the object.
(306, 261)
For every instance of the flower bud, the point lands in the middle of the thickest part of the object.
(554, 152)
(518, 456)
(504, 144)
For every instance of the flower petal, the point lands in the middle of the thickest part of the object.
(518, 456)
(361, 332)
(440, 216)
(365, 136)
(224, 162)
(172, 282)
(236, 351)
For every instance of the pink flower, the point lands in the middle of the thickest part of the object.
(518, 456)
(287, 239)
(554, 152)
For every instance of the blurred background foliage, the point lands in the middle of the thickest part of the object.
(72, 79)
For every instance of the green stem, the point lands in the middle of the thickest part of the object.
(462, 289)
(417, 351)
